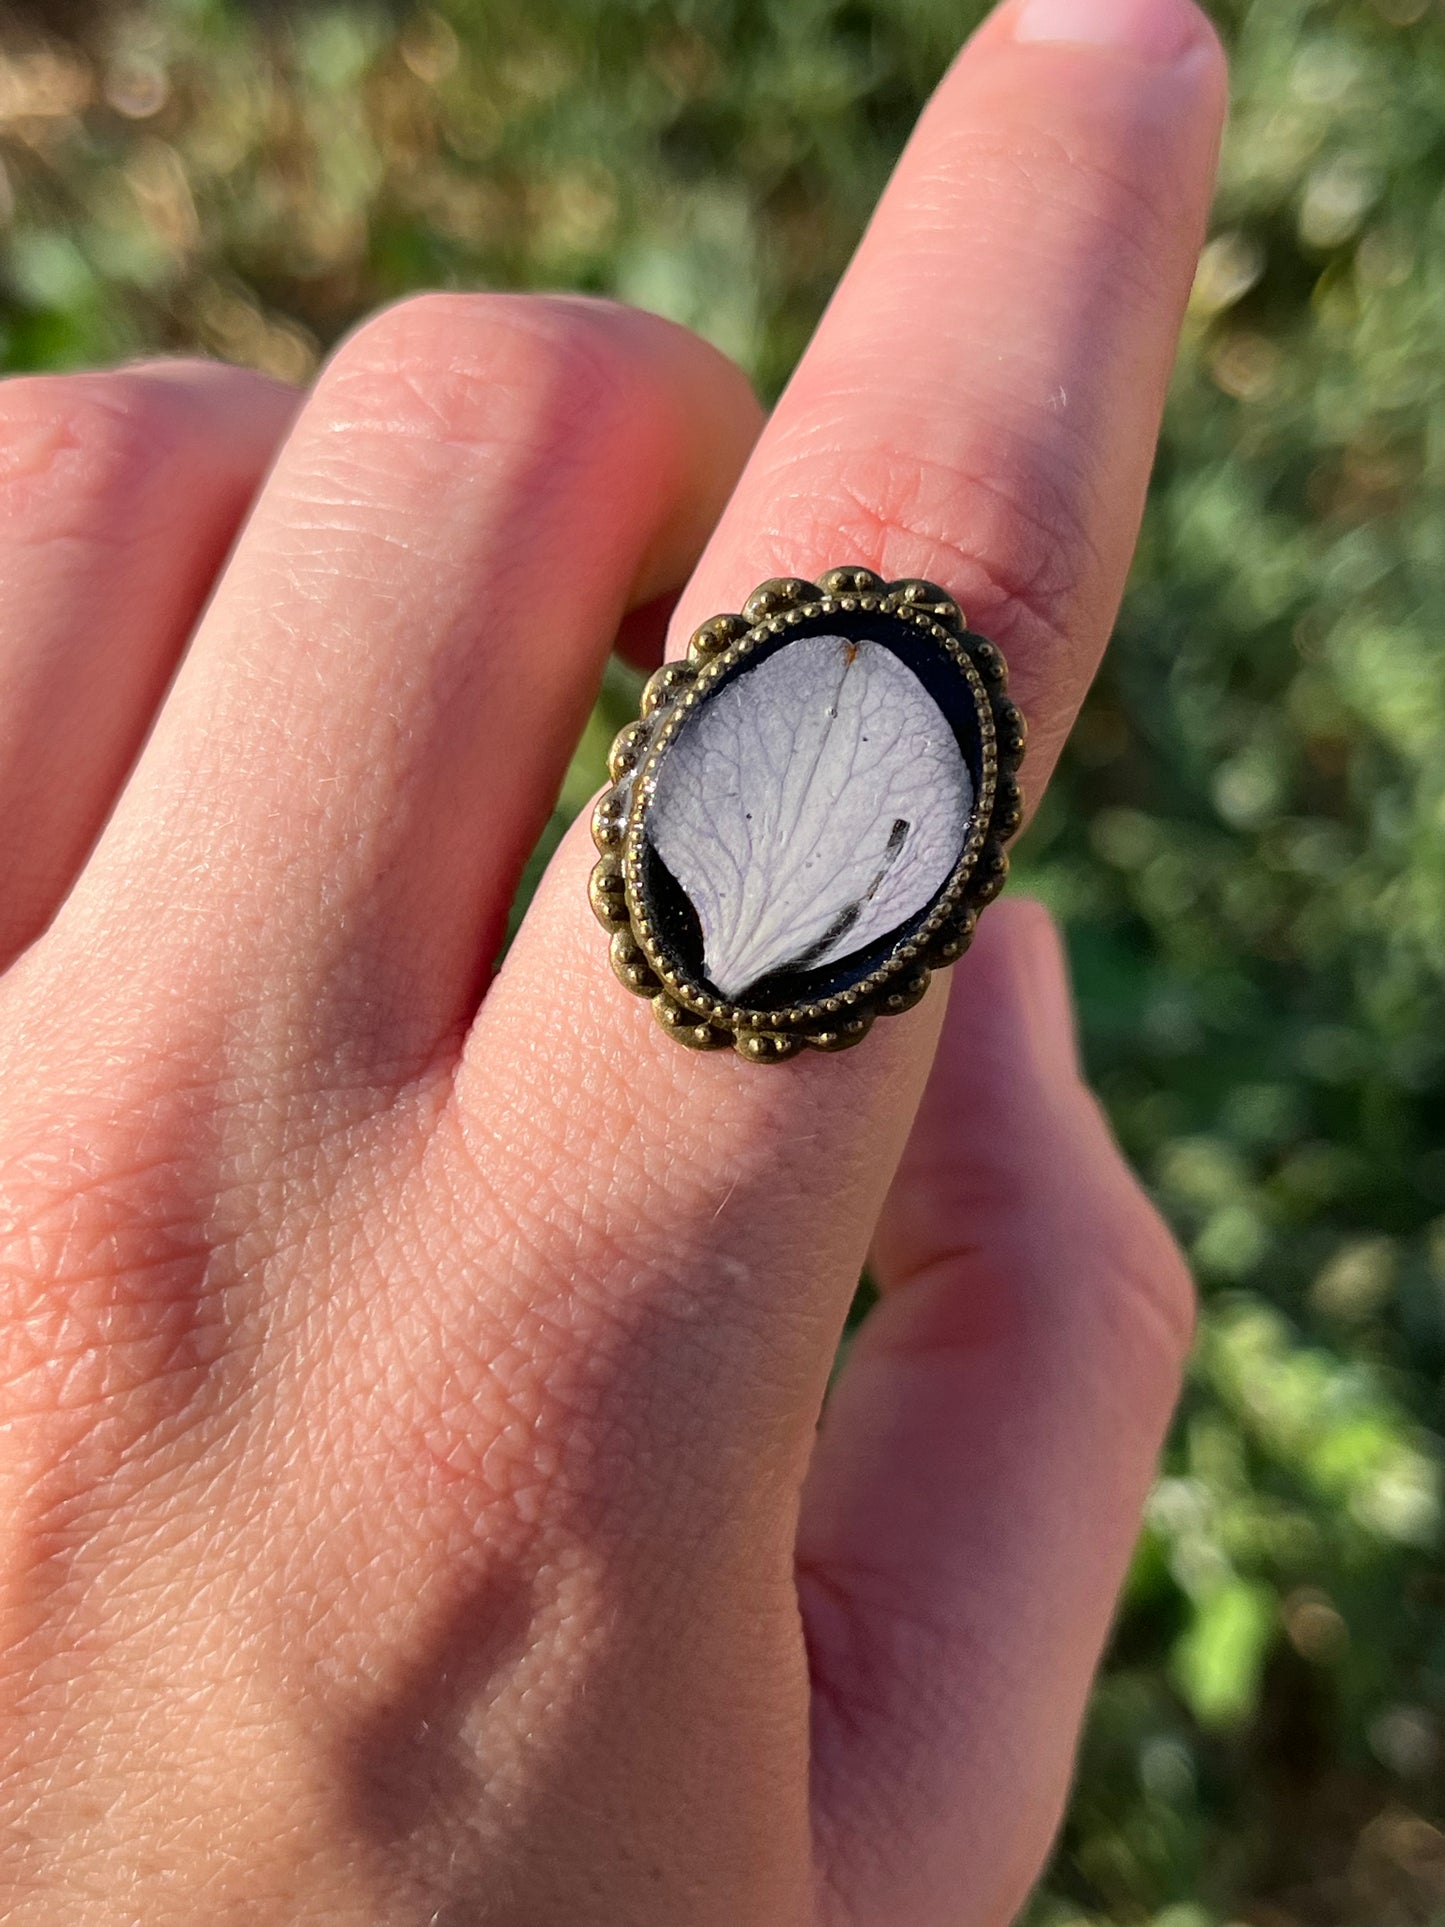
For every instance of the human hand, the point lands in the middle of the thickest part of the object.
(412, 1506)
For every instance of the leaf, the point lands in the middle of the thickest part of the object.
(814, 804)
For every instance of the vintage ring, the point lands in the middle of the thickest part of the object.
(809, 814)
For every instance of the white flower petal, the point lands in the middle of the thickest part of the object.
(814, 804)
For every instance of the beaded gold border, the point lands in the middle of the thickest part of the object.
(688, 991)
(683, 1006)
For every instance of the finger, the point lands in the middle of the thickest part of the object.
(981, 403)
(1039, 236)
(119, 496)
(977, 1485)
(371, 727)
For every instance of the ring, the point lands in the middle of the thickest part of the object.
(809, 814)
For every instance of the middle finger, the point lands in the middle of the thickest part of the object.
(323, 835)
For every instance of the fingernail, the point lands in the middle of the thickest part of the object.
(1159, 30)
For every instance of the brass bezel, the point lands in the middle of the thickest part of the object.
(685, 1008)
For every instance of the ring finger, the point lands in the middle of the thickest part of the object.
(979, 407)
(369, 730)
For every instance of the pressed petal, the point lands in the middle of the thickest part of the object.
(815, 803)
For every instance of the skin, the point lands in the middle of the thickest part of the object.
(414, 1504)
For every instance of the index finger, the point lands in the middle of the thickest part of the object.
(979, 407)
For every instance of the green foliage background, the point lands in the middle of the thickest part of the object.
(1247, 842)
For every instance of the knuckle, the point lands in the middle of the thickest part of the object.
(1095, 171)
(76, 450)
(1065, 1250)
(1147, 1296)
(1174, 1297)
(485, 372)
(1165, 1287)
(1010, 535)
(1122, 206)
(1132, 217)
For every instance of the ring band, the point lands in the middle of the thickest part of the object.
(809, 814)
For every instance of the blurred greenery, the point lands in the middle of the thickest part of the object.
(1247, 840)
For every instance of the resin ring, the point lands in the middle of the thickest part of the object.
(809, 815)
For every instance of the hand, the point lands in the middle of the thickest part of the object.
(412, 1505)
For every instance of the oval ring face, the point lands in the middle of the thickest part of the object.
(809, 814)
(810, 807)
